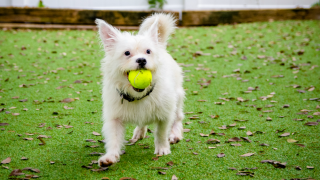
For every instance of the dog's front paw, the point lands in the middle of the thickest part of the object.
(108, 160)
(161, 150)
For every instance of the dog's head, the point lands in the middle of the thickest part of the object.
(126, 51)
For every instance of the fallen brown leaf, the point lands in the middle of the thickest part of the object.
(298, 168)
(6, 161)
(221, 155)
(174, 177)
(236, 145)
(204, 135)
(214, 116)
(67, 100)
(269, 119)
(170, 163)
(155, 158)
(263, 144)
(201, 100)
(245, 173)
(278, 164)
(24, 158)
(232, 125)
(28, 139)
(96, 134)
(311, 123)
(31, 169)
(157, 168)
(301, 145)
(234, 139)
(292, 140)
(16, 172)
(246, 139)
(127, 178)
(316, 114)
(249, 133)
(213, 141)
(285, 134)
(247, 154)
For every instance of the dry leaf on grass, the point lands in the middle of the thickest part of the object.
(213, 141)
(174, 177)
(127, 178)
(96, 134)
(67, 100)
(249, 133)
(234, 139)
(16, 172)
(204, 135)
(247, 154)
(285, 134)
(6, 161)
(292, 140)
(170, 163)
(301, 145)
(24, 158)
(221, 155)
(316, 114)
(311, 123)
(235, 144)
(263, 144)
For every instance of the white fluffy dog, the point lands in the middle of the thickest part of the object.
(160, 103)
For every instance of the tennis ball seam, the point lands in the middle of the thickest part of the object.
(134, 81)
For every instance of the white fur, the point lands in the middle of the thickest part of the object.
(162, 107)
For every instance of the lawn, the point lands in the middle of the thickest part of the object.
(253, 87)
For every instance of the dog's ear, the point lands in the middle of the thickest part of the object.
(153, 31)
(165, 25)
(108, 34)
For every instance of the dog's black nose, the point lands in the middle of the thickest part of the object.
(141, 61)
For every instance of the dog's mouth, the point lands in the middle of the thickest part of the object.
(136, 89)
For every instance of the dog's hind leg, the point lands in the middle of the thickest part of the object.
(177, 127)
(139, 132)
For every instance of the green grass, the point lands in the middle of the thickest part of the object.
(79, 54)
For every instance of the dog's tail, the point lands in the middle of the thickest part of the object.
(166, 26)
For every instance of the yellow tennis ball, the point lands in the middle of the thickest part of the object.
(140, 79)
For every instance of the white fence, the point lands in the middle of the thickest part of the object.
(176, 5)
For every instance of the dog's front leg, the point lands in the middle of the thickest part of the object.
(113, 131)
(161, 142)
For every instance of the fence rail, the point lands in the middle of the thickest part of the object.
(176, 5)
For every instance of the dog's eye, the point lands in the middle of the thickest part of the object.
(127, 53)
(148, 51)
